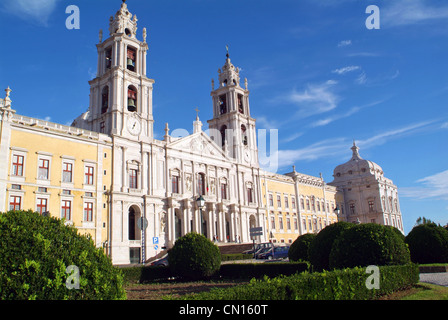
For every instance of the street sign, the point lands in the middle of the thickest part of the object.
(156, 247)
(155, 240)
(256, 231)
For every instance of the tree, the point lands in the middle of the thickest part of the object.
(320, 248)
(369, 244)
(193, 256)
(428, 243)
(299, 249)
(41, 258)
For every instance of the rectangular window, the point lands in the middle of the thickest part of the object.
(66, 210)
(293, 202)
(271, 200)
(44, 169)
(296, 224)
(223, 191)
(279, 201)
(42, 189)
(302, 204)
(67, 172)
(250, 195)
(41, 205)
(175, 184)
(133, 179)
(17, 165)
(272, 222)
(88, 175)
(371, 206)
(88, 211)
(288, 223)
(286, 202)
(201, 184)
(15, 203)
(307, 204)
(280, 222)
(304, 224)
(352, 208)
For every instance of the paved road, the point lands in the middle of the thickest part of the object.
(440, 279)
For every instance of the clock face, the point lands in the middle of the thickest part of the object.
(134, 126)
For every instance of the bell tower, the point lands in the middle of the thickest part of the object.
(232, 127)
(121, 93)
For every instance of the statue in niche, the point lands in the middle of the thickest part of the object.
(162, 222)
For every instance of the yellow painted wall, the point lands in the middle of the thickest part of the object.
(286, 188)
(62, 148)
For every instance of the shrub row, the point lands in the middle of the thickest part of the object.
(236, 256)
(259, 270)
(345, 284)
(247, 271)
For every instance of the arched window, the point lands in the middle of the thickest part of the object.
(105, 99)
(132, 99)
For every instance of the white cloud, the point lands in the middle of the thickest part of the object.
(434, 186)
(315, 99)
(346, 69)
(407, 12)
(444, 125)
(384, 137)
(352, 111)
(361, 79)
(344, 43)
(33, 10)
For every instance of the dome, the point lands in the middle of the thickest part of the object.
(357, 166)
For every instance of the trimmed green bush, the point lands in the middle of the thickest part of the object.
(320, 248)
(236, 256)
(142, 274)
(35, 252)
(193, 256)
(299, 250)
(259, 270)
(428, 243)
(368, 244)
(346, 284)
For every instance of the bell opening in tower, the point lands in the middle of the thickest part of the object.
(105, 100)
(131, 59)
(132, 99)
(108, 54)
(222, 104)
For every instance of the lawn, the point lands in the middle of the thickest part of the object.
(156, 291)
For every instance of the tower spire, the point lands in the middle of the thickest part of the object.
(355, 150)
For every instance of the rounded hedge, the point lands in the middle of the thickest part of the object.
(319, 251)
(369, 244)
(193, 256)
(299, 249)
(428, 243)
(35, 253)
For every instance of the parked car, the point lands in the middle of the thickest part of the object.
(276, 253)
(258, 247)
(160, 262)
(262, 251)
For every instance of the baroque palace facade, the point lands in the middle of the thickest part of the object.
(135, 195)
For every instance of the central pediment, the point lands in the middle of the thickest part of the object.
(198, 144)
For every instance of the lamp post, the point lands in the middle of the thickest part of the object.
(201, 203)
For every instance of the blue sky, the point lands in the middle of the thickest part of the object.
(315, 73)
